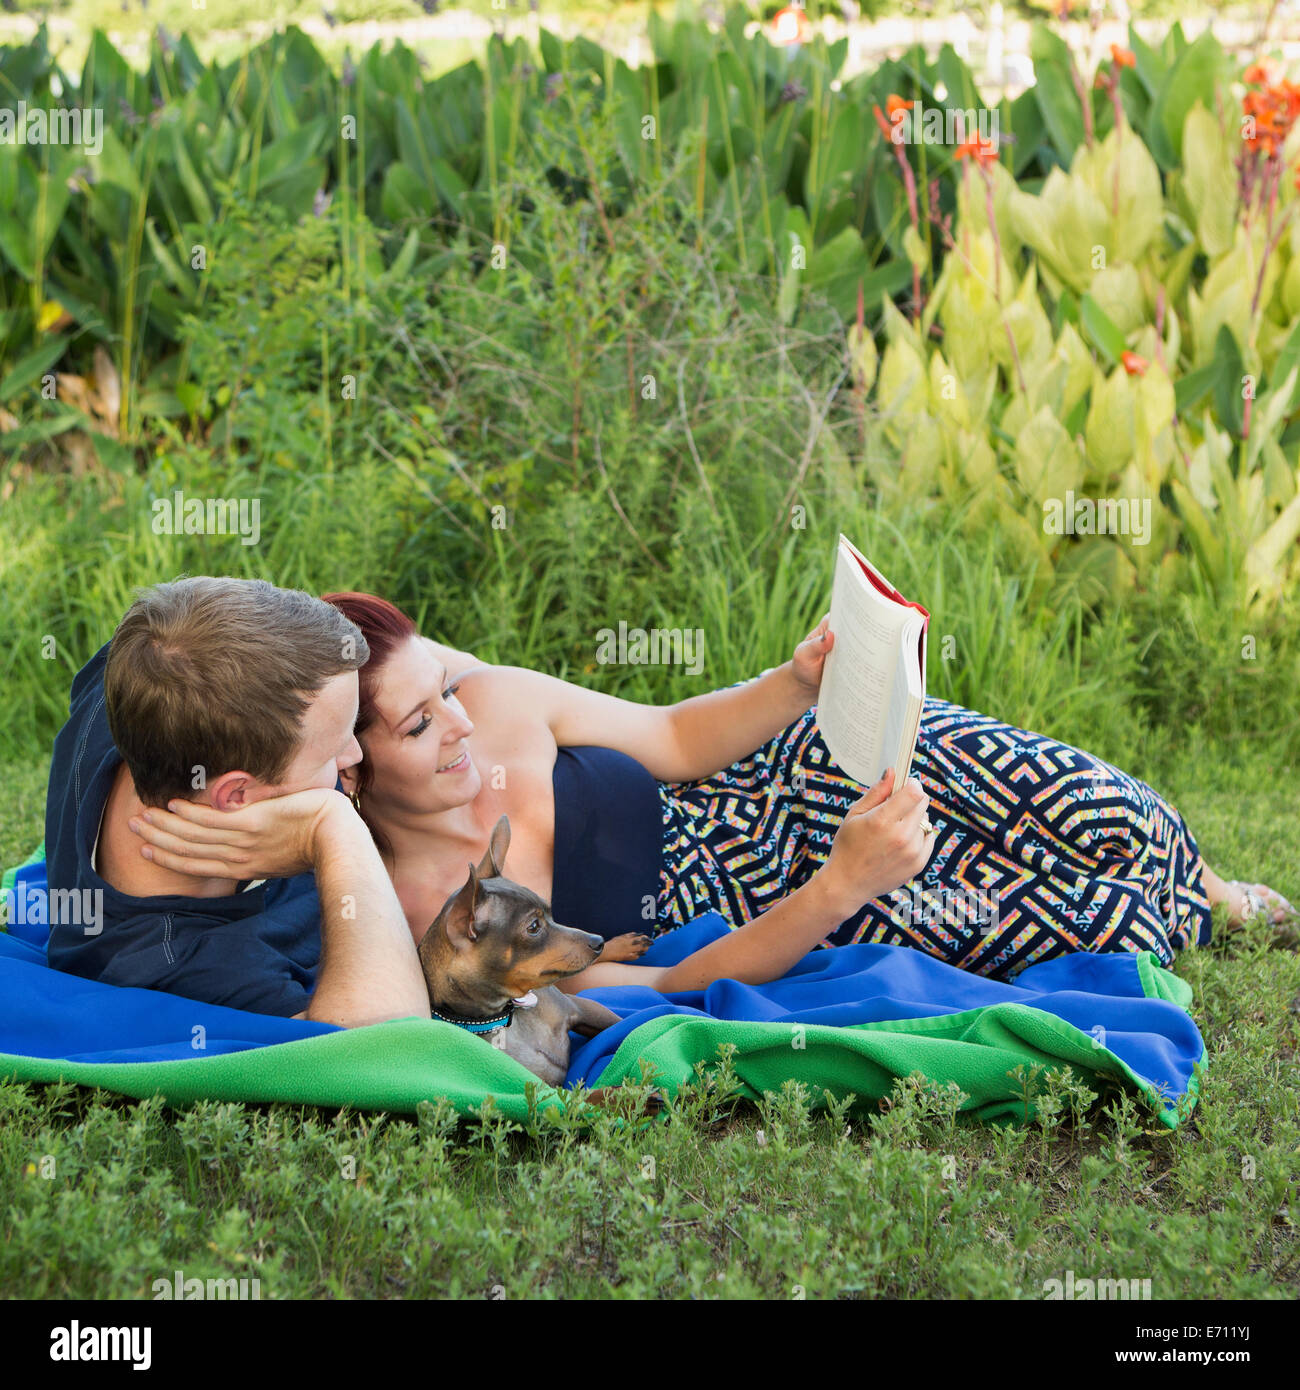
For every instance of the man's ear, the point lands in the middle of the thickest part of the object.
(459, 921)
(493, 863)
(229, 792)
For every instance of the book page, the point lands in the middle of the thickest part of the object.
(857, 692)
(894, 727)
(908, 700)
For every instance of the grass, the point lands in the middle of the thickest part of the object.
(723, 1201)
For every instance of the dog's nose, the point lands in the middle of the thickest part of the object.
(597, 943)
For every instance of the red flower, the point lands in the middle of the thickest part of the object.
(894, 104)
(1133, 364)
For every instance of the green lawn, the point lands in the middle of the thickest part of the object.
(723, 1200)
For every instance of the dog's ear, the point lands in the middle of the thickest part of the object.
(459, 922)
(493, 863)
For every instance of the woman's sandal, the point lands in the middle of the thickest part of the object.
(1259, 900)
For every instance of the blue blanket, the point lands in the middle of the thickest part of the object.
(1123, 1006)
(1124, 1001)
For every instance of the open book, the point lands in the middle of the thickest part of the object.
(873, 685)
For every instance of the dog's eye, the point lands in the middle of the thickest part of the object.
(534, 926)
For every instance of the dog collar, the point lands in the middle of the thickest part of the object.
(490, 1025)
(479, 1025)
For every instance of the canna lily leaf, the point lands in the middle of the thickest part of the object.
(1287, 359)
(1117, 291)
(1265, 566)
(200, 203)
(1046, 460)
(1100, 331)
(1193, 77)
(1229, 370)
(1209, 182)
(1054, 90)
(1111, 429)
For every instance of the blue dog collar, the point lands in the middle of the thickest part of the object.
(479, 1025)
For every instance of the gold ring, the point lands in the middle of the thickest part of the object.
(926, 827)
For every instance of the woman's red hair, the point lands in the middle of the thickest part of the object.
(385, 627)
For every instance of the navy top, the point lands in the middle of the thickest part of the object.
(255, 950)
(608, 842)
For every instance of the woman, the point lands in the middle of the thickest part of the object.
(632, 817)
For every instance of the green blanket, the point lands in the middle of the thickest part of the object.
(394, 1066)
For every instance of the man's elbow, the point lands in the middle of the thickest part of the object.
(361, 1013)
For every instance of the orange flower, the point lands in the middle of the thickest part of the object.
(1122, 57)
(791, 25)
(1256, 72)
(1272, 113)
(1133, 364)
(977, 148)
(895, 104)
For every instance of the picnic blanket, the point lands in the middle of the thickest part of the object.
(849, 1020)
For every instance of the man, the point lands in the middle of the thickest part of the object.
(239, 696)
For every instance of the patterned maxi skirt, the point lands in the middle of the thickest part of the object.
(1040, 848)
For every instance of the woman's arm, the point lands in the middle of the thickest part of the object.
(879, 846)
(675, 743)
(761, 950)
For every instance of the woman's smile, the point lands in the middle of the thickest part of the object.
(458, 764)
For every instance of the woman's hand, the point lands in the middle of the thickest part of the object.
(879, 845)
(810, 658)
(277, 837)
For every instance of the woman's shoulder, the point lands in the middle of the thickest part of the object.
(454, 661)
(522, 691)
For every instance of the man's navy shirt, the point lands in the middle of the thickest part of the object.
(255, 950)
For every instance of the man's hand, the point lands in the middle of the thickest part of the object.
(275, 838)
(809, 658)
(879, 845)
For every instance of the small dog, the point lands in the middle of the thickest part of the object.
(491, 960)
